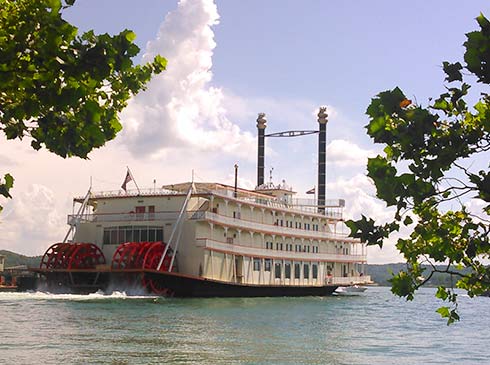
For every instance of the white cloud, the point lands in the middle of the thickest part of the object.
(180, 109)
(346, 153)
(31, 221)
(359, 193)
(475, 207)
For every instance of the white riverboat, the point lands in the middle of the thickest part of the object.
(210, 239)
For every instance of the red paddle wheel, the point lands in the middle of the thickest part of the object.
(151, 261)
(72, 256)
(143, 255)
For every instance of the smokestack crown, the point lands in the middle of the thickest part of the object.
(323, 115)
(261, 121)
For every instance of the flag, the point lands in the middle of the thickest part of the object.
(126, 180)
(311, 191)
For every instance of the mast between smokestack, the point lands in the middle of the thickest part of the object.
(322, 157)
(261, 124)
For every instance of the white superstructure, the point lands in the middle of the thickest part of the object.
(257, 237)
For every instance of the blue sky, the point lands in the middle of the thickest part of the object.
(284, 58)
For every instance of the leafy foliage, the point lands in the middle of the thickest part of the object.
(63, 89)
(426, 175)
(5, 185)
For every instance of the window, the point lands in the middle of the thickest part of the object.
(267, 264)
(144, 235)
(306, 271)
(159, 234)
(121, 234)
(107, 237)
(281, 246)
(277, 270)
(287, 270)
(140, 212)
(307, 248)
(256, 264)
(297, 271)
(314, 271)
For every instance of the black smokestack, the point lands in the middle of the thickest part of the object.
(322, 157)
(261, 124)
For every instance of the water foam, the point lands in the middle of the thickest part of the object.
(39, 295)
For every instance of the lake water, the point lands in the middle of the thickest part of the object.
(372, 328)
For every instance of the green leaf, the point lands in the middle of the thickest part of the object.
(443, 311)
(408, 221)
(441, 293)
(453, 71)
(130, 36)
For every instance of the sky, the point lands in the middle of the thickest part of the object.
(228, 61)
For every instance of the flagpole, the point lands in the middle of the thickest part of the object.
(135, 183)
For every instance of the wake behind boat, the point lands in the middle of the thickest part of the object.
(350, 290)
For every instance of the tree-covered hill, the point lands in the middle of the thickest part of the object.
(15, 259)
(380, 274)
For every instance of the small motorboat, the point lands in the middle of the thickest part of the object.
(350, 290)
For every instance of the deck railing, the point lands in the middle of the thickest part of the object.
(124, 217)
(332, 208)
(275, 254)
(269, 228)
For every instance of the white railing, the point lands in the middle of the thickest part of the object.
(274, 254)
(132, 193)
(332, 209)
(294, 206)
(124, 217)
(271, 229)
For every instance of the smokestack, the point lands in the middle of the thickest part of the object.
(261, 124)
(322, 157)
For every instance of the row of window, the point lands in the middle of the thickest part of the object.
(278, 222)
(289, 247)
(298, 225)
(121, 234)
(287, 269)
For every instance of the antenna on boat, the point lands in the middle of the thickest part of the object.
(235, 193)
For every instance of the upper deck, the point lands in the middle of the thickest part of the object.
(332, 209)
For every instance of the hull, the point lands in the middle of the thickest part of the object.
(189, 286)
(167, 284)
